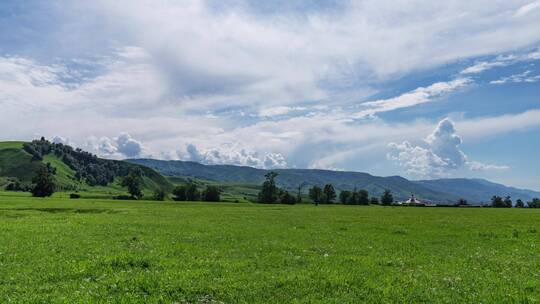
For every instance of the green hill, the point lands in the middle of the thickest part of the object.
(441, 191)
(75, 170)
(292, 178)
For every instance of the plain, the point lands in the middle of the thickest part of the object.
(57, 250)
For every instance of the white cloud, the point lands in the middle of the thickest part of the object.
(128, 146)
(418, 96)
(483, 66)
(439, 154)
(527, 8)
(231, 156)
(278, 111)
(517, 78)
(501, 61)
(120, 147)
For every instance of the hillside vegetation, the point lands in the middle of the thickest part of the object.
(75, 170)
(441, 191)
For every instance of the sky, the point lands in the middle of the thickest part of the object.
(423, 89)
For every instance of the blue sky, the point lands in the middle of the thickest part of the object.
(420, 89)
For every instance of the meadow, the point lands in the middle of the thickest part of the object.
(57, 250)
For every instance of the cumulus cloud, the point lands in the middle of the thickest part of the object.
(229, 156)
(439, 154)
(120, 147)
(128, 146)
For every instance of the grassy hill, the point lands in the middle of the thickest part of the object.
(17, 164)
(292, 178)
(442, 190)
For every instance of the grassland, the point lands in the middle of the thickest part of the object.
(89, 251)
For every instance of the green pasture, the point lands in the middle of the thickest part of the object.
(57, 250)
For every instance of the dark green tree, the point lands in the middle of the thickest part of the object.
(519, 203)
(355, 197)
(299, 192)
(462, 202)
(44, 183)
(269, 192)
(387, 198)
(535, 203)
(363, 197)
(287, 198)
(192, 192)
(329, 194)
(374, 200)
(497, 202)
(133, 182)
(160, 194)
(508, 202)
(211, 194)
(344, 197)
(179, 193)
(316, 194)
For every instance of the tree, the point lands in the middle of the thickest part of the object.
(179, 193)
(160, 194)
(497, 202)
(374, 200)
(519, 203)
(133, 182)
(44, 183)
(269, 192)
(329, 194)
(387, 198)
(299, 193)
(508, 202)
(355, 197)
(211, 194)
(315, 194)
(192, 192)
(535, 203)
(462, 202)
(363, 197)
(345, 196)
(287, 198)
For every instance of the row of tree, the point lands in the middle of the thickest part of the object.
(499, 202)
(190, 192)
(270, 193)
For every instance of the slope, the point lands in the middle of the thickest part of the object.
(291, 179)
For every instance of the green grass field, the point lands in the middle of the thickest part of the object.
(90, 251)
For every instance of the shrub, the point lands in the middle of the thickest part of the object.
(74, 196)
(211, 194)
(287, 198)
(179, 193)
(159, 195)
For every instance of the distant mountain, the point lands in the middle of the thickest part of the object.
(443, 190)
(477, 190)
(292, 178)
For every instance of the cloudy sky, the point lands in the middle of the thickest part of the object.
(420, 88)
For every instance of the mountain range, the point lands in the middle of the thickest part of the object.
(447, 191)
(77, 170)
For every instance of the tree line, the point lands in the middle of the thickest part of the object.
(506, 202)
(270, 194)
